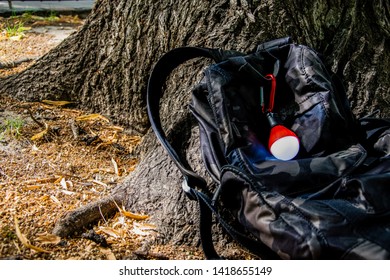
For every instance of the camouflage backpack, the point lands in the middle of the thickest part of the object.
(329, 199)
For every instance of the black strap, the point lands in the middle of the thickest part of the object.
(167, 63)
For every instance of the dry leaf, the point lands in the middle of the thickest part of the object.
(133, 216)
(57, 103)
(92, 117)
(47, 238)
(25, 241)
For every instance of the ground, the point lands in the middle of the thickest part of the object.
(55, 158)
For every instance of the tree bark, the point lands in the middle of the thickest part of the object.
(105, 67)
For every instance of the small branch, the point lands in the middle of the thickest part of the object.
(34, 119)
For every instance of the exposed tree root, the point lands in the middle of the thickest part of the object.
(13, 64)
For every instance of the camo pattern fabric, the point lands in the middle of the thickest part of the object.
(332, 200)
(342, 216)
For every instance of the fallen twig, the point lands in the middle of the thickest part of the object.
(34, 119)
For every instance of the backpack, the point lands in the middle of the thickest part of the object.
(330, 199)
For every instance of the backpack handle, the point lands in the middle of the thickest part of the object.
(164, 66)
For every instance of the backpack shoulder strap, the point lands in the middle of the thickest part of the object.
(165, 65)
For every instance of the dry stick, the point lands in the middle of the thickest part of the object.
(34, 119)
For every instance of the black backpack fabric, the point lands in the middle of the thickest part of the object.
(332, 201)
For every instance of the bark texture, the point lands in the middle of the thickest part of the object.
(105, 67)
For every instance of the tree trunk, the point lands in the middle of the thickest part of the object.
(105, 66)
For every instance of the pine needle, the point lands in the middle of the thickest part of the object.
(91, 117)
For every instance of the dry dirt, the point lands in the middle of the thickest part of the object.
(55, 158)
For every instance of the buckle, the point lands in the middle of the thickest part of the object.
(188, 190)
